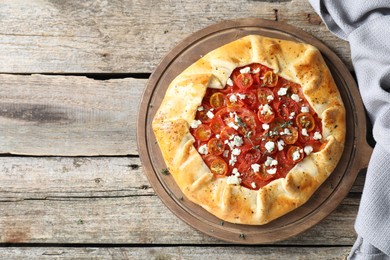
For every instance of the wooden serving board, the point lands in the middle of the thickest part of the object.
(325, 199)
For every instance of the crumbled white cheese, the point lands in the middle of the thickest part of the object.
(295, 97)
(317, 136)
(270, 162)
(280, 145)
(195, 123)
(203, 149)
(233, 180)
(233, 98)
(238, 140)
(304, 132)
(265, 126)
(233, 160)
(226, 153)
(265, 109)
(241, 96)
(245, 70)
(253, 185)
(291, 116)
(233, 125)
(235, 172)
(282, 91)
(210, 114)
(255, 71)
(305, 109)
(229, 82)
(308, 149)
(286, 131)
(200, 108)
(270, 146)
(255, 167)
(296, 155)
(217, 136)
(236, 151)
(271, 171)
(270, 98)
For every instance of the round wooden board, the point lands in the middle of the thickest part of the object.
(325, 199)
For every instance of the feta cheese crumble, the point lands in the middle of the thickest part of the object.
(296, 155)
(271, 171)
(270, 146)
(265, 126)
(317, 136)
(255, 167)
(253, 185)
(270, 98)
(282, 91)
(245, 70)
(236, 151)
(200, 108)
(233, 98)
(241, 96)
(210, 114)
(280, 145)
(229, 82)
(295, 97)
(304, 132)
(195, 123)
(305, 109)
(308, 149)
(203, 149)
(232, 125)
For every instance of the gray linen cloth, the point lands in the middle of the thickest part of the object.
(366, 25)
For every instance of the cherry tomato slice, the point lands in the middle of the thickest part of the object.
(218, 167)
(202, 115)
(216, 125)
(305, 120)
(291, 136)
(286, 107)
(295, 154)
(215, 146)
(270, 79)
(250, 100)
(249, 154)
(265, 114)
(244, 81)
(202, 133)
(217, 100)
(265, 95)
(227, 133)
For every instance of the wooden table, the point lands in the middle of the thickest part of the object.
(71, 181)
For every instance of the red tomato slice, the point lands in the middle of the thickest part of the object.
(295, 154)
(250, 100)
(249, 177)
(270, 79)
(215, 146)
(217, 100)
(292, 137)
(216, 125)
(285, 107)
(249, 154)
(227, 133)
(218, 167)
(202, 115)
(265, 95)
(305, 120)
(266, 116)
(244, 81)
(202, 133)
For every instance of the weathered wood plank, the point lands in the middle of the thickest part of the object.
(68, 115)
(181, 252)
(26, 178)
(126, 36)
(108, 200)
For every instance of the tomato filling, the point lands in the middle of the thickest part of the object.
(256, 129)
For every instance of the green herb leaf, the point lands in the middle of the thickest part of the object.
(165, 171)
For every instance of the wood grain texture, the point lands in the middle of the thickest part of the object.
(124, 36)
(68, 115)
(181, 252)
(108, 200)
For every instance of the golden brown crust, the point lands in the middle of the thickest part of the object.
(297, 62)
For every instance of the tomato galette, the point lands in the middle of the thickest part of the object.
(252, 129)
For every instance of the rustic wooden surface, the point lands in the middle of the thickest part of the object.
(71, 184)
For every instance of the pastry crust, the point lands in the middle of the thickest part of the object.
(297, 62)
